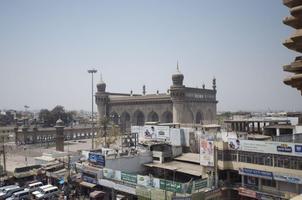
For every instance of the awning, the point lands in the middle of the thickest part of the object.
(86, 184)
(186, 168)
(96, 193)
(189, 157)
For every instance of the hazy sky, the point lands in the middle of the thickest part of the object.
(46, 48)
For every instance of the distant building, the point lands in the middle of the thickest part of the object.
(181, 104)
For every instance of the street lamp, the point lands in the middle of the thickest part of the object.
(92, 71)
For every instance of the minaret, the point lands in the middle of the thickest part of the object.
(59, 135)
(177, 93)
(101, 99)
(294, 43)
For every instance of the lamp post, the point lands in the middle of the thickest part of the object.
(92, 71)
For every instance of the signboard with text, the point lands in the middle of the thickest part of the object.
(282, 148)
(130, 178)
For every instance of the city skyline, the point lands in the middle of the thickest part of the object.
(47, 49)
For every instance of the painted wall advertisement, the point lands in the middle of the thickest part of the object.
(283, 148)
(206, 152)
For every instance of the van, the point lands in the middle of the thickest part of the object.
(40, 189)
(6, 189)
(33, 186)
(10, 192)
(48, 193)
(2, 189)
(24, 195)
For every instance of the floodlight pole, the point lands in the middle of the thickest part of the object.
(92, 71)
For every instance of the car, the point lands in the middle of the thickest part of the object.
(6, 189)
(21, 195)
(41, 188)
(33, 186)
(48, 193)
(9, 193)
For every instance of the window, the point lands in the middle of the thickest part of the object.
(270, 183)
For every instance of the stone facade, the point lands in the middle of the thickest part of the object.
(294, 43)
(184, 105)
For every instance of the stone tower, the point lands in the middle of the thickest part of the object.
(177, 92)
(294, 43)
(59, 135)
(101, 100)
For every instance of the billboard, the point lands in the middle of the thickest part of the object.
(97, 159)
(206, 152)
(281, 148)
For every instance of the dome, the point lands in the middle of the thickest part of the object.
(101, 86)
(59, 122)
(178, 77)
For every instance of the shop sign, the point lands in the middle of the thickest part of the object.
(171, 186)
(256, 173)
(128, 177)
(199, 184)
(287, 178)
(247, 192)
(261, 196)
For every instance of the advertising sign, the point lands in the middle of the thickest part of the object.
(156, 182)
(247, 192)
(171, 186)
(117, 175)
(256, 173)
(149, 132)
(143, 180)
(281, 148)
(108, 173)
(130, 178)
(234, 143)
(206, 152)
(162, 132)
(97, 159)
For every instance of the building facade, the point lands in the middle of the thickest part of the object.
(184, 105)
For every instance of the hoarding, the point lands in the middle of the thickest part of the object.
(97, 159)
(281, 148)
(206, 152)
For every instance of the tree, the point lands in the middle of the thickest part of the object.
(49, 118)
